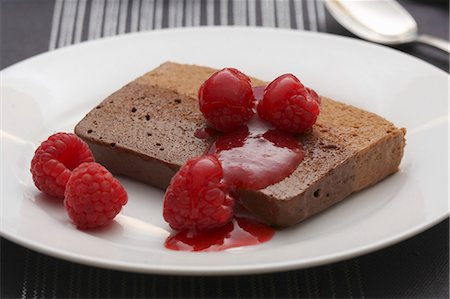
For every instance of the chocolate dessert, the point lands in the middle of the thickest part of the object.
(146, 131)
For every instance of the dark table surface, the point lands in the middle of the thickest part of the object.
(415, 268)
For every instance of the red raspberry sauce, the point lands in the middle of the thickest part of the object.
(239, 232)
(253, 157)
(257, 156)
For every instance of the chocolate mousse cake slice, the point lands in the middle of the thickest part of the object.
(146, 131)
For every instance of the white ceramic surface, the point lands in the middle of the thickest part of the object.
(53, 91)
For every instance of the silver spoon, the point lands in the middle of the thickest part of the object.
(381, 21)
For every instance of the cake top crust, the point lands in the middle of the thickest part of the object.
(159, 116)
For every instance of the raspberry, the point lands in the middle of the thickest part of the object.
(288, 105)
(54, 161)
(93, 196)
(314, 95)
(226, 99)
(196, 198)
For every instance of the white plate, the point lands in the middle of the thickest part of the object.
(53, 91)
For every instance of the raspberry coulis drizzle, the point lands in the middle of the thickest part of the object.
(241, 231)
(252, 157)
(257, 155)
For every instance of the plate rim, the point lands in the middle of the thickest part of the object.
(233, 269)
(227, 28)
(219, 271)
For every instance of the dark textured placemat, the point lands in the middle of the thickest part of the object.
(416, 268)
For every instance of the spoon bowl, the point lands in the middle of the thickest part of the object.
(381, 21)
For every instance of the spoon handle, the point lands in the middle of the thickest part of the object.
(434, 42)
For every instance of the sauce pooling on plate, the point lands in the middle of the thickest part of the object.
(241, 231)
